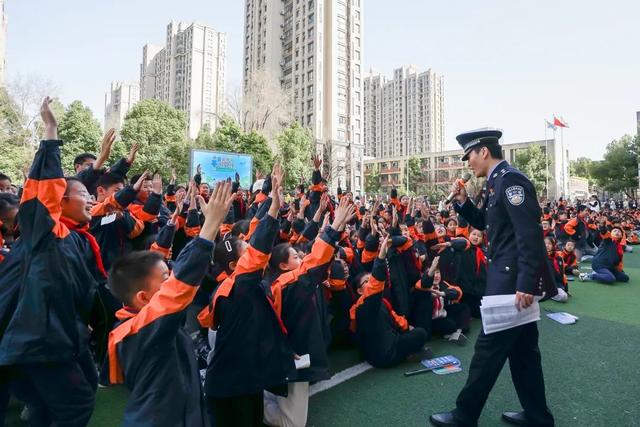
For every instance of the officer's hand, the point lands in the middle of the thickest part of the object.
(460, 191)
(523, 300)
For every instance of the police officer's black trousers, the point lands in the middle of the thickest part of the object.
(520, 346)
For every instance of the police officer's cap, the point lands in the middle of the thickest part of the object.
(474, 138)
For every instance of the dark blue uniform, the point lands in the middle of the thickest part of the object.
(516, 262)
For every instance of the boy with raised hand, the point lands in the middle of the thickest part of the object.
(47, 289)
(384, 337)
(149, 351)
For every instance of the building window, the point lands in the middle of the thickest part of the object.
(310, 90)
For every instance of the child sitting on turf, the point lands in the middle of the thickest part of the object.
(384, 338)
(449, 318)
(570, 259)
(557, 267)
(607, 262)
(149, 351)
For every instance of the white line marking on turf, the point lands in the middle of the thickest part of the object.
(339, 378)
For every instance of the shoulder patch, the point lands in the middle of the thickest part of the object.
(515, 194)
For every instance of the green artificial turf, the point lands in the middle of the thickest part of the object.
(591, 372)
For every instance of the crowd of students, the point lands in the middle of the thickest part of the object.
(205, 301)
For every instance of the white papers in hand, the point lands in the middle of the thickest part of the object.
(499, 313)
(304, 362)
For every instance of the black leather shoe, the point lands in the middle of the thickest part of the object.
(516, 418)
(443, 419)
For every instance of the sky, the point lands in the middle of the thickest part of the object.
(506, 63)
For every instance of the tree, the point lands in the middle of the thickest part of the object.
(416, 176)
(160, 132)
(295, 145)
(256, 145)
(230, 137)
(205, 140)
(618, 172)
(15, 139)
(227, 135)
(531, 161)
(264, 107)
(80, 132)
(372, 182)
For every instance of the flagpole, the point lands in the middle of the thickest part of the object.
(564, 176)
(546, 155)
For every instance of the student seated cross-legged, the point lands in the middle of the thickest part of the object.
(149, 351)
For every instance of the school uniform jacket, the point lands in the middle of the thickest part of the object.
(115, 238)
(48, 288)
(609, 254)
(377, 326)
(153, 355)
(472, 267)
(252, 352)
(302, 307)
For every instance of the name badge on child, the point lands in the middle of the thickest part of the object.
(108, 219)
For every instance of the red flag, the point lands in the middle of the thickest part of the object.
(559, 123)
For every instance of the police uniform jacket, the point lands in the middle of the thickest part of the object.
(511, 219)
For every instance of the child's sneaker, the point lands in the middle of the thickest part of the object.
(584, 277)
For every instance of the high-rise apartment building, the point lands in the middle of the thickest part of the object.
(3, 43)
(118, 101)
(403, 116)
(315, 48)
(188, 73)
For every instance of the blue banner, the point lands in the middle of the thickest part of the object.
(217, 166)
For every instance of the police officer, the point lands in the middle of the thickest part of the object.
(516, 256)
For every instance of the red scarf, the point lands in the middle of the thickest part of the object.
(480, 259)
(84, 231)
(619, 250)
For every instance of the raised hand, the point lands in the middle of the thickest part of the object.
(394, 216)
(276, 190)
(157, 184)
(342, 212)
(324, 202)
(317, 161)
(216, 210)
(132, 153)
(385, 243)
(49, 120)
(441, 247)
(138, 185)
(434, 266)
(173, 176)
(199, 170)
(105, 148)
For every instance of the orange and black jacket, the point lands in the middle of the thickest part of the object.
(153, 355)
(252, 352)
(115, 238)
(577, 230)
(557, 267)
(609, 254)
(570, 261)
(90, 176)
(403, 272)
(471, 263)
(315, 194)
(298, 298)
(152, 213)
(46, 287)
(376, 325)
(452, 294)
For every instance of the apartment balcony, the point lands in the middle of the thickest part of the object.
(390, 170)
